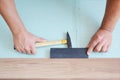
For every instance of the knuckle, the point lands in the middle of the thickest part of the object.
(33, 52)
(106, 50)
(97, 50)
(18, 50)
(103, 50)
(98, 37)
(90, 49)
(94, 42)
(26, 48)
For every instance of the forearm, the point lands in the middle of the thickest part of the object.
(9, 13)
(112, 14)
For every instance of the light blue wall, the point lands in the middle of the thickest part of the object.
(51, 19)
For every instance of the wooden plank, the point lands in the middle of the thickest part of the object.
(65, 69)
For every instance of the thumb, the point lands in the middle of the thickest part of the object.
(40, 40)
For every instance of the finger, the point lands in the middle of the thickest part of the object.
(98, 47)
(92, 46)
(23, 50)
(108, 47)
(104, 48)
(90, 49)
(18, 50)
(33, 49)
(91, 41)
(27, 50)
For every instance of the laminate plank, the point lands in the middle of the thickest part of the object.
(85, 69)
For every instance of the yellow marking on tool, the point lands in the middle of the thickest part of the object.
(64, 41)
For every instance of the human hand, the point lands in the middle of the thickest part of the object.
(24, 42)
(100, 42)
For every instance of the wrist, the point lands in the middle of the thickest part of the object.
(19, 32)
(106, 29)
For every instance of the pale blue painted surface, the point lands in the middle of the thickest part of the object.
(51, 19)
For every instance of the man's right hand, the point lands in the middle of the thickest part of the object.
(24, 42)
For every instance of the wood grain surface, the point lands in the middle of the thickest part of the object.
(59, 69)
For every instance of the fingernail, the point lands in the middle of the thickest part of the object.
(88, 53)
